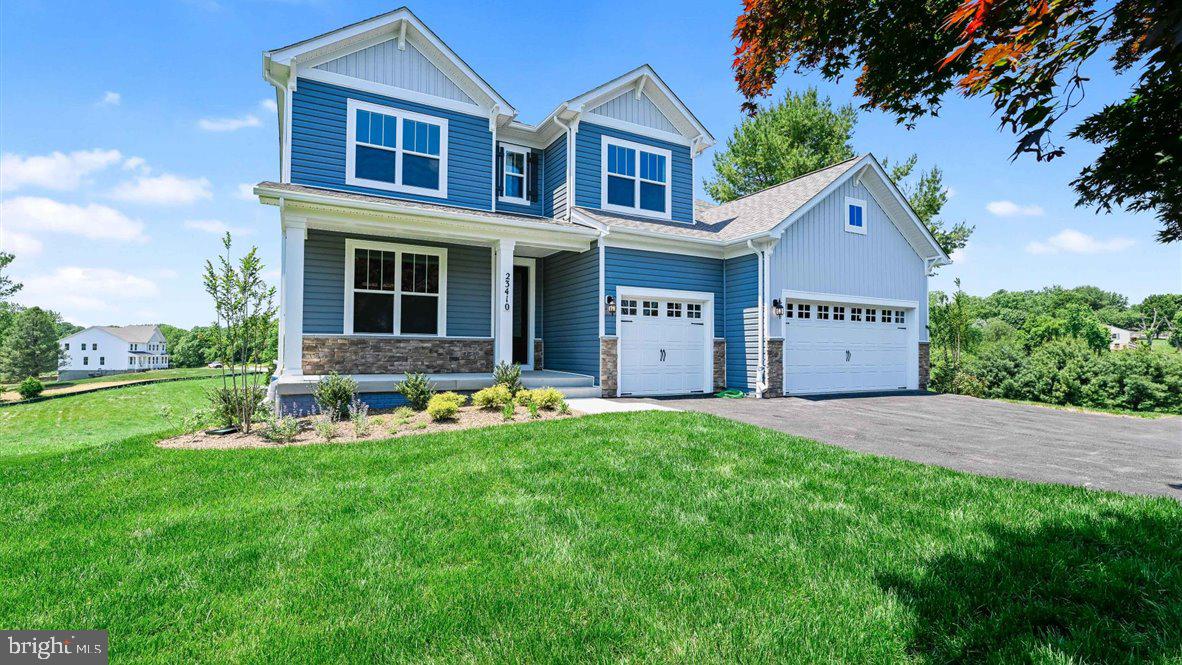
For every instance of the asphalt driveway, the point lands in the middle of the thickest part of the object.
(1118, 453)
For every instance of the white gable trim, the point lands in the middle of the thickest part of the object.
(399, 24)
(869, 164)
(645, 79)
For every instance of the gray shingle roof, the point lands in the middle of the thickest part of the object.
(753, 214)
(134, 334)
(413, 205)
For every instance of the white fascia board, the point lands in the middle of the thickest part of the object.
(623, 238)
(633, 128)
(628, 81)
(391, 91)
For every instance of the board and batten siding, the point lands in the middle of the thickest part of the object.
(816, 253)
(469, 284)
(318, 144)
(659, 270)
(554, 178)
(571, 314)
(628, 108)
(741, 316)
(588, 172)
(407, 68)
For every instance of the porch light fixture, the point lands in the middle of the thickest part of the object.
(611, 305)
(777, 307)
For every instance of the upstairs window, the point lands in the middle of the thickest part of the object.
(855, 216)
(396, 150)
(395, 289)
(516, 174)
(636, 178)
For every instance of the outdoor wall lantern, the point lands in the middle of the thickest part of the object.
(777, 307)
(611, 305)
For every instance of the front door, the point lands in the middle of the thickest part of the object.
(521, 303)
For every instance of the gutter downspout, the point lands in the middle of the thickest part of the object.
(570, 161)
(492, 127)
(760, 345)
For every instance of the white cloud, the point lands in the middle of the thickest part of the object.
(269, 105)
(111, 98)
(245, 192)
(72, 288)
(164, 189)
(137, 164)
(21, 244)
(1011, 209)
(229, 124)
(57, 170)
(97, 222)
(959, 256)
(216, 227)
(1070, 241)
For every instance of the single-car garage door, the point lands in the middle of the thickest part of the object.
(845, 347)
(663, 346)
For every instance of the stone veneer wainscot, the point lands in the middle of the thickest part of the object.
(359, 354)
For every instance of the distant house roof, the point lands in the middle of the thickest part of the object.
(138, 334)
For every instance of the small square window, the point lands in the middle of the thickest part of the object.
(85, 360)
(870, 315)
(886, 316)
(650, 308)
(693, 311)
(673, 310)
(838, 313)
(855, 314)
(628, 307)
(899, 318)
(823, 312)
(803, 311)
(788, 310)
(855, 216)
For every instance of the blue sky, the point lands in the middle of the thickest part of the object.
(129, 129)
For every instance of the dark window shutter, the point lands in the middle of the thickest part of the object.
(532, 178)
(500, 170)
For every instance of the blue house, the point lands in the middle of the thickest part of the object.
(427, 229)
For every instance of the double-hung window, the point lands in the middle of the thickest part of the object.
(855, 216)
(395, 289)
(396, 150)
(636, 178)
(514, 171)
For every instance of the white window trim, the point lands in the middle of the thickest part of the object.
(850, 201)
(638, 147)
(507, 148)
(353, 106)
(399, 249)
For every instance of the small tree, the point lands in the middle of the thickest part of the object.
(7, 286)
(952, 325)
(30, 346)
(245, 307)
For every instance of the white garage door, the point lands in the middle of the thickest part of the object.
(844, 347)
(662, 346)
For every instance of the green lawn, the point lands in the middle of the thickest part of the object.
(637, 537)
(170, 373)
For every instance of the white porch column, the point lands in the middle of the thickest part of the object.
(291, 298)
(503, 289)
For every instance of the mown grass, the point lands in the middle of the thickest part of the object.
(639, 537)
(170, 373)
(1150, 415)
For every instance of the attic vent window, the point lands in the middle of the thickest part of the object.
(855, 216)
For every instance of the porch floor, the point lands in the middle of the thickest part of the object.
(372, 383)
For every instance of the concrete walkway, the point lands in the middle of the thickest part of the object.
(594, 405)
(1118, 453)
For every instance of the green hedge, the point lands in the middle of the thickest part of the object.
(1068, 372)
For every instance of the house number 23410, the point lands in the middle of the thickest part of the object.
(508, 291)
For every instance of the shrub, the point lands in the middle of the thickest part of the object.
(359, 416)
(494, 397)
(455, 398)
(546, 398)
(326, 428)
(508, 375)
(997, 369)
(282, 429)
(417, 390)
(333, 394)
(508, 411)
(30, 388)
(442, 407)
(533, 410)
(226, 404)
(563, 408)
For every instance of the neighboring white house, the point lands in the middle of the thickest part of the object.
(102, 350)
(1119, 338)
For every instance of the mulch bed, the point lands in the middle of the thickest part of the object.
(383, 425)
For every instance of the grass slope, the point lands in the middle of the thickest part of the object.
(641, 536)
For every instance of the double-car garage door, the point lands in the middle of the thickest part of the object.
(845, 347)
(663, 345)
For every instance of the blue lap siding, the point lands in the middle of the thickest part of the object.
(742, 319)
(588, 173)
(536, 206)
(554, 178)
(658, 270)
(469, 291)
(571, 293)
(319, 136)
